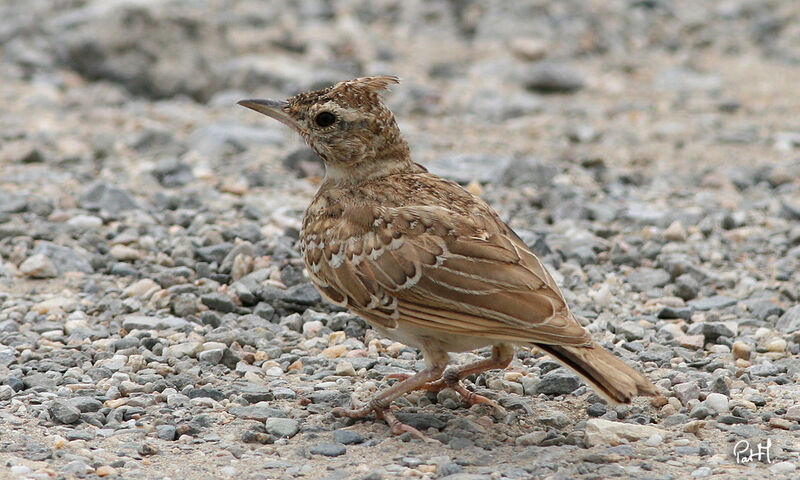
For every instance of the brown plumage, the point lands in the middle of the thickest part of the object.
(424, 261)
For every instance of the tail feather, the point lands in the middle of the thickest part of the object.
(611, 377)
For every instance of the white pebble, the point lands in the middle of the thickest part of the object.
(85, 222)
(124, 252)
(702, 472)
(675, 232)
(717, 402)
(20, 470)
(345, 369)
(654, 440)
(782, 467)
(312, 328)
(776, 345)
(38, 266)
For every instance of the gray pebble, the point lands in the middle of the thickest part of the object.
(261, 411)
(762, 370)
(64, 258)
(75, 467)
(421, 421)
(282, 427)
(347, 437)
(140, 322)
(85, 435)
(449, 469)
(218, 301)
(37, 452)
(283, 393)
(630, 330)
(147, 449)
(686, 391)
(644, 278)
(460, 443)
(719, 385)
(532, 438)
(107, 197)
(701, 411)
(39, 266)
(184, 305)
(731, 420)
(675, 419)
(763, 308)
(557, 420)
(328, 449)
(466, 476)
(254, 393)
(558, 382)
(64, 412)
(86, 404)
(717, 302)
(212, 356)
(686, 287)
(302, 294)
(166, 432)
(713, 330)
(6, 392)
(789, 322)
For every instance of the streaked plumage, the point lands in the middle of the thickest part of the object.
(421, 259)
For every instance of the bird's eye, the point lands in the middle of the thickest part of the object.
(325, 119)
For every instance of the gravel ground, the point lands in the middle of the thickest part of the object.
(155, 319)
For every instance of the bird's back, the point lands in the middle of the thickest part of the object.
(419, 249)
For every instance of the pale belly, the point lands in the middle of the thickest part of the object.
(426, 339)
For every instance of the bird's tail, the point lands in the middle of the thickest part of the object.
(611, 377)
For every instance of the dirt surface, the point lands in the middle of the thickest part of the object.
(155, 321)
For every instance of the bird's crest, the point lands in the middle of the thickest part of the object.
(356, 91)
(375, 84)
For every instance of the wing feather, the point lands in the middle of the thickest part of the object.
(486, 284)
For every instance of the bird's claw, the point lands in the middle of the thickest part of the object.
(396, 426)
(471, 398)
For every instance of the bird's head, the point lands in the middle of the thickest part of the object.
(347, 124)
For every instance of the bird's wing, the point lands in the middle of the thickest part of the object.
(417, 268)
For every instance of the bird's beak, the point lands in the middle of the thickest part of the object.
(271, 108)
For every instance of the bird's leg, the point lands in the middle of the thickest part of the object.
(381, 402)
(502, 354)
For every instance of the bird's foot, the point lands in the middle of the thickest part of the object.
(449, 381)
(397, 427)
(472, 398)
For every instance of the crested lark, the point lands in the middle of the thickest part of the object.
(425, 262)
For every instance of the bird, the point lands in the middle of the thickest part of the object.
(425, 262)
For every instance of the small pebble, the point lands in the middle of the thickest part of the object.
(38, 266)
(675, 232)
(345, 369)
(717, 402)
(701, 472)
(282, 427)
(105, 471)
(347, 437)
(782, 423)
(328, 449)
(776, 345)
(741, 350)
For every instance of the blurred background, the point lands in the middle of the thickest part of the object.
(106, 84)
